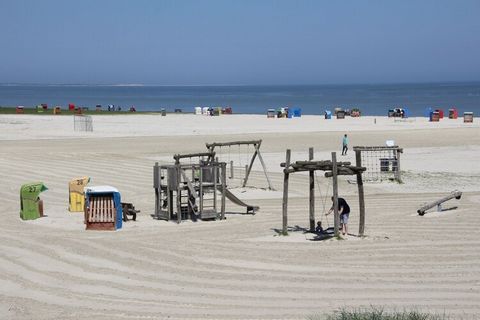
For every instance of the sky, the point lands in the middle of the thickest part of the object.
(233, 42)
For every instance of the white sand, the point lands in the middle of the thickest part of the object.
(15, 127)
(51, 268)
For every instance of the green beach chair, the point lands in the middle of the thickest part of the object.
(31, 207)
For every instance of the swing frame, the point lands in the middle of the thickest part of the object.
(323, 199)
(256, 144)
(332, 169)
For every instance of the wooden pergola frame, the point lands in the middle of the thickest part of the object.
(256, 144)
(332, 169)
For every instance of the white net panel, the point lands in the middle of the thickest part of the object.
(382, 163)
(82, 123)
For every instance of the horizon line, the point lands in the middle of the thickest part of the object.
(5, 84)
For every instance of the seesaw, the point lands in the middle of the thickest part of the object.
(454, 194)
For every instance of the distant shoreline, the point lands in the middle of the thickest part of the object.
(49, 111)
(66, 112)
(371, 99)
(454, 82)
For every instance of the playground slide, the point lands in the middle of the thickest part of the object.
(239, 202)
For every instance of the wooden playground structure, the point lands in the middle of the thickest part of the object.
(190, 191)
(248, 167)
(438, 203)
(333, 169)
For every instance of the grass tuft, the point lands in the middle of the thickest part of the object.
(377, 314)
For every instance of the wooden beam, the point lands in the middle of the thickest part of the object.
(316, 163)
(454, 194)
(361, 196)
(335, 195)
(285, 195)
(311, 193)
(322, 162)
(209, 154)
(340, 172)
(376, 148)
(232, 143)
(342, 168)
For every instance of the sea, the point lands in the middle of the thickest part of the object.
(371, 99)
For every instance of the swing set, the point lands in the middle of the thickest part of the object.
(250, 159)
(323, 199)
(332, 170)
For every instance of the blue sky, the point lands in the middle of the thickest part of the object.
(238, 42)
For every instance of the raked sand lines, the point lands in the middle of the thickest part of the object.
(232, 269)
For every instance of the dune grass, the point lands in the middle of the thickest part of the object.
(378, 314)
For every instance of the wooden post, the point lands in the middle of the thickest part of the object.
(224, 187)
(215, 184)
(200, 178)
(361, 196)
(248, 168)
(158, 191)
(169, 201)
(398, 173)
(158, 203)
(264, 168)
(285, 194)
(231, 169)
(179, 194)
(335, 194)
(312, 193)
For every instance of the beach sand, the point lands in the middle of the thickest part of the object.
(238, 268)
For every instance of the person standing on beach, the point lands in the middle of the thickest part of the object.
(344, 212)
(344, 145)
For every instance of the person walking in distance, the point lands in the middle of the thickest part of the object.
(344, 145)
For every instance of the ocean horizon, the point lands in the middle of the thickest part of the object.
(372, 99)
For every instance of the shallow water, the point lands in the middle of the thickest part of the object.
(315, 99)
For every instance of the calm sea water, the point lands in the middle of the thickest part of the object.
(371, 99)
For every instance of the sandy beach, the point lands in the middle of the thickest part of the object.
(238, 268)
